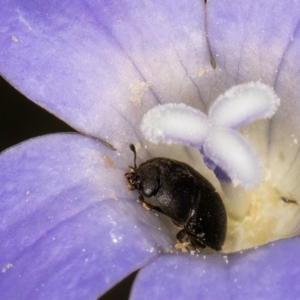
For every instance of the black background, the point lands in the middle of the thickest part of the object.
(21, 119)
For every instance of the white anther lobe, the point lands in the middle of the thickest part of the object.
(175, 123)
(231, 152)
(243, 104)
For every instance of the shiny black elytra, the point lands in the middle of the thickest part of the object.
(183, 195)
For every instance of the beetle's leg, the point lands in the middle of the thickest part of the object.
(183, 233)
(149, 206)
(141, 198)
(197, 245)
(196, 239)
(180, 235)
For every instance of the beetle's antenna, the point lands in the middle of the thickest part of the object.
(132, 148)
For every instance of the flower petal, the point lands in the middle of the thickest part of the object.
(284, 133)
(96, 61)
(70, 229)
(243, 40)
(269, 272)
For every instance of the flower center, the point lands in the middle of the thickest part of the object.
(257, 212)
(266, 216)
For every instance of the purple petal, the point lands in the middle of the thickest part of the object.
(70, 229)
(284, 132)
(249, 41)
(91, 62)
(269, 272)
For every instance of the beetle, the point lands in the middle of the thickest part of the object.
(185, 196)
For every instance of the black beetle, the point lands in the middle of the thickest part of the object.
(185, 196)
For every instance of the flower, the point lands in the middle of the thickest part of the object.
(69, 227)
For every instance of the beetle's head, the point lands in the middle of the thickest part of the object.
(145, 179)
(133, 179)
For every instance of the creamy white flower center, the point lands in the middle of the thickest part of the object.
(256, 211)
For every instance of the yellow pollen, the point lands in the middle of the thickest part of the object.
(268, 218)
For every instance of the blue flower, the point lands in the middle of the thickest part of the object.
(70, 229)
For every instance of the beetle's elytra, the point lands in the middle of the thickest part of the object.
(185, 196)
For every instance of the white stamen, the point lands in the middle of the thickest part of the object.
(229, 150)
(175, 123)
(243, 104)
(215, 134)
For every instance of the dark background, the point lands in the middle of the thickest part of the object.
(21, 119)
